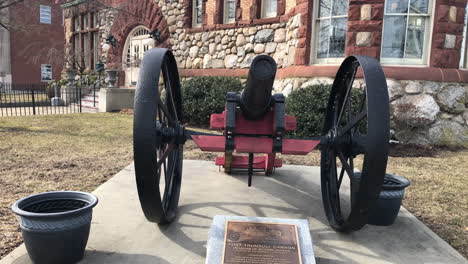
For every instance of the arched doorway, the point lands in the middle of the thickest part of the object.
(136, 45)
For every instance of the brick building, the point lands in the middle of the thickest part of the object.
(32, 48)
(420, 43)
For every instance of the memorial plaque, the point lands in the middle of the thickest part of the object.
(262, 243)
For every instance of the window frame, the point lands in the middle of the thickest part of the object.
(316, 31)
(464, 48)
(429, 18)
(79, 33)
(45, 18)
(263, 13)
(196, 8)
(43, 68)
(226, 19)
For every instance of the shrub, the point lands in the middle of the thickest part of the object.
(204, 96)
(309, 106)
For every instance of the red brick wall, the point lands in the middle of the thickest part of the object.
(441, 56)
(146, 13)
(33, 44)
(372, 26)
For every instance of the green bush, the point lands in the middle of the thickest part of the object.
(309, 106)
(204, 96)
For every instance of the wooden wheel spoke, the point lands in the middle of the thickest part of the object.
(164, 109)
(170, 179)
(164, 156)
(336, 192)
(347, 98)
(352, 123)
(341, 177)
(346, 166)
(169, 91)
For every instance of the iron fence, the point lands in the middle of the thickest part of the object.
(40, 99)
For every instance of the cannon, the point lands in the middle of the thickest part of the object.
(254, 122)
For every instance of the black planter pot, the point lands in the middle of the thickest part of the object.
(55, 225)
(388, 205)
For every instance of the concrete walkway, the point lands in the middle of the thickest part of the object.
(120, 233)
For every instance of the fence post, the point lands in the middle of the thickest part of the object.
(79, 96)
(94, 95)
(33, 101)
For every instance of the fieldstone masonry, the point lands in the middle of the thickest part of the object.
(421, 112)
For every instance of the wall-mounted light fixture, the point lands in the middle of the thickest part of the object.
(111, 40)
(155, 34)
(110, 43)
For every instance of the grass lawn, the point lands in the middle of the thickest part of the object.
(60, 152)
(82, 151)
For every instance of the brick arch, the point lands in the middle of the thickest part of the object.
(145, 13)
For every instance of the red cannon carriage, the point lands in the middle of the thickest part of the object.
(255, 122)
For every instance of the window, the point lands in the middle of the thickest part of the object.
(45, 16)
(86, 21)
(229, 11)
(330, 24)
(95, 21)
(76, 23)
(197, 13)
(406, 31)
(96, 47)
(46, 72)
(268, 8)
(86, 40)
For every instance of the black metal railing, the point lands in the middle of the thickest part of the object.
(39, 99)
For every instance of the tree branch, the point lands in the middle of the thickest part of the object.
(7, 3)
(4, 26)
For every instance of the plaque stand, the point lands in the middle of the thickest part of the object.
(217, 235)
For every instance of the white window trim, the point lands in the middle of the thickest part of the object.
(195, 23)
(424, 61)
(226, 19)
(45, 18)
(263, 13)
(464, 48)
(43, 67)
(315, 39)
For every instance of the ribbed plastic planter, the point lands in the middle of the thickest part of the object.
(388, 205)
(55, 225)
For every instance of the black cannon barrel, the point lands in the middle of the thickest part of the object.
(256, 97)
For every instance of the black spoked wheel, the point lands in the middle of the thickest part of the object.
(158, 136)
(357, 122)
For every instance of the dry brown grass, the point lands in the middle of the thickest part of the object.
(82, 151)
(62, 152)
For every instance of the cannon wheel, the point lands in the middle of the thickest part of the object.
(355, 125)
(158, 136)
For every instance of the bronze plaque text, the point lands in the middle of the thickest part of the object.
(262, 243)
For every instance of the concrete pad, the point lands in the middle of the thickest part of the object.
(121, 234)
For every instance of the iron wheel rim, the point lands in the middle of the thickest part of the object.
(158, 111)
(345, 140)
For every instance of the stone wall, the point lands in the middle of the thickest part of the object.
(235, 48)
(229, 48)
(429, 113)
